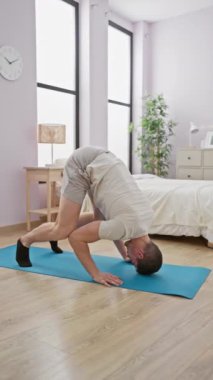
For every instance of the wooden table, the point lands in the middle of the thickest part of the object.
(49, 175)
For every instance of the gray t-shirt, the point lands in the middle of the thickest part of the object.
(112, 189)
(115, 193)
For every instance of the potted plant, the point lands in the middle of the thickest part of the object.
(153, 147)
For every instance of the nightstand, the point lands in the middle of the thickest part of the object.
(49, 175)
(195, 164)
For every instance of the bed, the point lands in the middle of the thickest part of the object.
(181, 207)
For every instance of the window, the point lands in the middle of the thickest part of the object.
(57, 73)
(120, 92)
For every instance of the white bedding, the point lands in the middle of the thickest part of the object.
(181, 207)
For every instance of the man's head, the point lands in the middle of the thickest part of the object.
(146, 257)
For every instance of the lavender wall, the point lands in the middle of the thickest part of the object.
(17, 110)
(181, 65)
(181, 61)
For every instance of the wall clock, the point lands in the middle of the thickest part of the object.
(11, 63)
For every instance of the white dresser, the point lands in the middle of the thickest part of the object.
(194, 164)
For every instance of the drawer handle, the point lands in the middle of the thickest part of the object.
(189, 176)
(189, 158)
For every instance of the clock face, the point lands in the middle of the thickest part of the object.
(11, 64)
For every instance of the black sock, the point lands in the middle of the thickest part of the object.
(55, 247)
(22, 255)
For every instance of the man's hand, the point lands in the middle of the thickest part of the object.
(107, 279)
(127, 259)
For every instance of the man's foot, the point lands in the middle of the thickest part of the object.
(22, 255)
(55, 247)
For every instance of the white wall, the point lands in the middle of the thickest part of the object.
(98, 73)
(18, 147)
(181, 63)
(84, 72)
(93, 72)
(141, 81)
(120, 21)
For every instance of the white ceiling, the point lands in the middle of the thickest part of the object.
(155, 10)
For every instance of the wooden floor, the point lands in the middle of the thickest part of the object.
(58, 329)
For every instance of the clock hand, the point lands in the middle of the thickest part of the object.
(10, 62)
(6, 59)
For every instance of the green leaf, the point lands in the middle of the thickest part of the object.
(153, 144)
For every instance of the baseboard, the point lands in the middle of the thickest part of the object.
(19, 226)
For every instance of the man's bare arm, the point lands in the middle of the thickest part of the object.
(118, 243)
(79, 240)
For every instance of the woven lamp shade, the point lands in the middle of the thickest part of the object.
(52, 133)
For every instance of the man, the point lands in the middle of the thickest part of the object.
(121, 212)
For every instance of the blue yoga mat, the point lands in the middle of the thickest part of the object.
(175, 280)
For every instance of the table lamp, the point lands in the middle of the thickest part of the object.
(193, 129)
(51, 134)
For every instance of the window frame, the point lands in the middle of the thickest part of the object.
(64, 90)
(130, 34)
